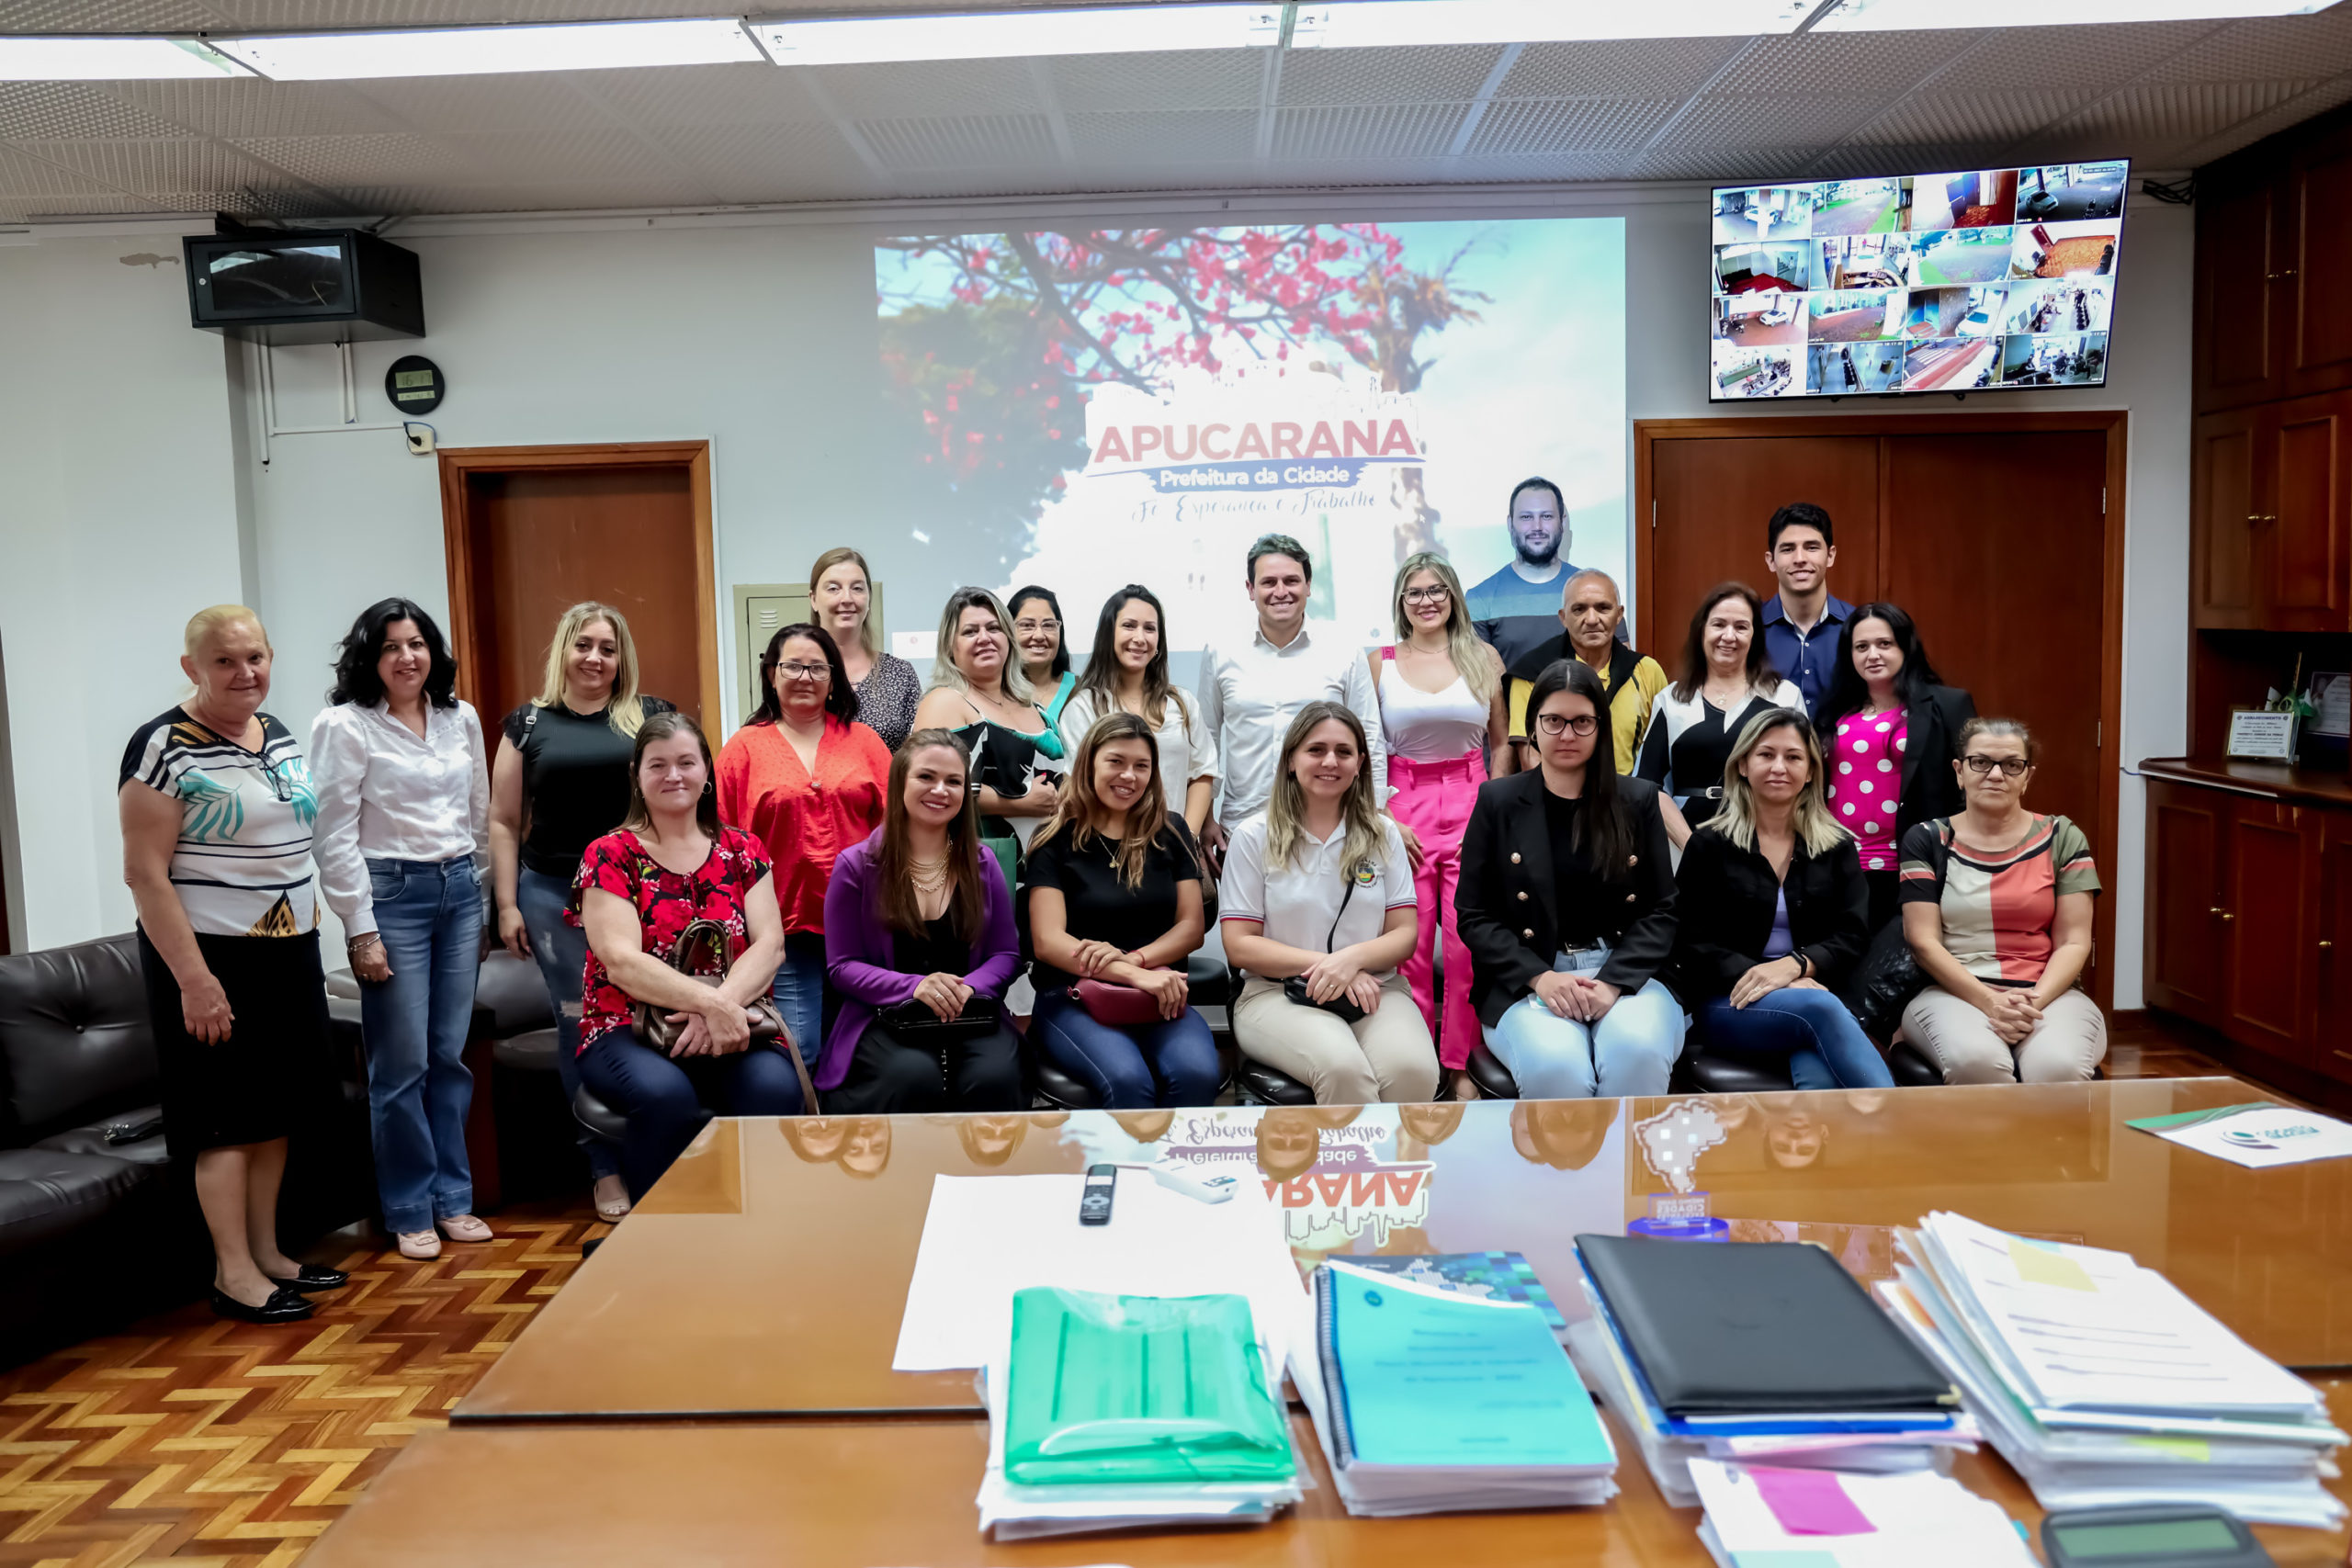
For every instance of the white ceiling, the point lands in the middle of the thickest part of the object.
(2169, 95)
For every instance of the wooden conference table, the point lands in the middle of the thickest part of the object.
(716, 1382)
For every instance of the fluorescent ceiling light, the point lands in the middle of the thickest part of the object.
(73, 58)
(1372, 24)
(473, 52)
(1899, 15)
(991, 34)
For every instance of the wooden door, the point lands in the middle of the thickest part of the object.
(1964, 514)
(2267, 917)
(2300, 533)
(2318, 215)
(2185, 950)
(1711, 501)
(532, 531)
(2237, 355)
(2332, 951)
(2224, 515)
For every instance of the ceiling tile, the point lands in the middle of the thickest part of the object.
(1518, 126)
(1375, 131)
(1177, 79)
(1720, 164)
(1620, 68)
(543, 103)
(1448, 74)
(153, 167)
(65, 110)
(2172, 111)
(520, 158)
(962, 141)
(705, 95)
(1164, 136)
(107, 15)
(250, 107)
(24, 178)
(751, 163)
(1974, 119)
(930, 88)
(2268, 47)
(1722, 120)
(340, 161)
(1840, 63)
(2014, 59)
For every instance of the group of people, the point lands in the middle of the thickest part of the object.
(1507, 827)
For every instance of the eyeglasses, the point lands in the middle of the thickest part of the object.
(1024, 628)
(1552, 724)
(1426, 595)
(2012, 767)
(806, 671)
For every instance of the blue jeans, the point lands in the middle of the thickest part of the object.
(1169, 1063)
(666, 1099)
(1826, 1048)
(562, 953)
(799, 992)
(429, 917)
(1630, 1051)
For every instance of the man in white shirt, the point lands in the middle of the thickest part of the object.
(1250, 695)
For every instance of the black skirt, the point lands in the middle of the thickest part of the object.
(270, 1077)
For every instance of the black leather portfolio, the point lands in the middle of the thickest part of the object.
(1756, 1327)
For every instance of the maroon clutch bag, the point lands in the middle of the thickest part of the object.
(1121, 1007)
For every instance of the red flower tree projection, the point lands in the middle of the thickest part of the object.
(991, 341)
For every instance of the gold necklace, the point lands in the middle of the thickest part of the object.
(930, 877)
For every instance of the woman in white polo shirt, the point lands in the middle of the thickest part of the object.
(1318, 898)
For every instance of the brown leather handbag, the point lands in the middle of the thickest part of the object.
(654, 1031)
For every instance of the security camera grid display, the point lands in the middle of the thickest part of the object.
(1962, 281)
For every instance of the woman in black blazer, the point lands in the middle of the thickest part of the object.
(1772, 914)
(1567, 904)
(1891, 732)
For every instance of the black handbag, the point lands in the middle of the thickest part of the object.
(1339, 1006)
(917, 1025)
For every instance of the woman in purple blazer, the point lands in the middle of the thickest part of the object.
(920, 945)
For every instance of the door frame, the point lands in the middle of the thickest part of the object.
(458, 524)
(2113, 423)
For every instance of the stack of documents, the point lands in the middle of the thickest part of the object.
(1757, 1351)
(1429, 1401)
(1764, 1515)
(1124, 1412)
(2102, 1384)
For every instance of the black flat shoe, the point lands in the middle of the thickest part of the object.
(283, 1306)
(311, 1276)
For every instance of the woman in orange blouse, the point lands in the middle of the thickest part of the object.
(807, 780)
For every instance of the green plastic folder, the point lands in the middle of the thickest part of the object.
(1126, 1389)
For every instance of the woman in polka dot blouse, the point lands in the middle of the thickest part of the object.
(1886, 714)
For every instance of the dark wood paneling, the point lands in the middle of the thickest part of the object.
(2299, 544)
(2319, 205)
(2266, 914)
(2225, 516)
(2184, 959)
(1713, 498)
(2332, 951)
(2235, 360)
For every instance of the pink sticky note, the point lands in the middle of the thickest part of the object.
(1809, 1502)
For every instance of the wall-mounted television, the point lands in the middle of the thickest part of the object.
(1965, 281)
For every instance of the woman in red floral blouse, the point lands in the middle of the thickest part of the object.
(668, 863)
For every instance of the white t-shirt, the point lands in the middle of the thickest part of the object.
(1187, 750)
(1297, 904)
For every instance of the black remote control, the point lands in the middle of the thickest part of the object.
(1094, 1206)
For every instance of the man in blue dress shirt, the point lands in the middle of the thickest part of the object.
(1804, 622)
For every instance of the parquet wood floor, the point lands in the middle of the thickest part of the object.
(190, 1440)
(187, 1441)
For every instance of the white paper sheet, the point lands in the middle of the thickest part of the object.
(987, 1237)
(2260, 1136)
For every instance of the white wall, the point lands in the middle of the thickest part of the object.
(752, 330)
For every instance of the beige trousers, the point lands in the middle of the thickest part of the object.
(1387, 1055)
(2066, 1047)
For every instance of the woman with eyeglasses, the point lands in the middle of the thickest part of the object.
(1441, 711)
(809, 781)
(1996, 906)
(217, 809)
(1567, 905)
(1037, 632)
(1890, 730)
(404, 833)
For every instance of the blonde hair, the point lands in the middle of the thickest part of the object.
(626, 714)
(826, 563)
(1082, 811)
(205, 623)
(1478, 665)
(1809, 819)
(943, 667)
(1367, 839)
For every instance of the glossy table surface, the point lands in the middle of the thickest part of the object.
(823, 1494)
(766, 1274)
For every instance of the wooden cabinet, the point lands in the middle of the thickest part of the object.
(2271, 526)
(2274, 265)
(2248, 899)
(2238, 298)
(2315, 267)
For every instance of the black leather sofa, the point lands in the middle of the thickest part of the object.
(94, 1233)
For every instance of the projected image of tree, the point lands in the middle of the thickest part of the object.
(991, 342)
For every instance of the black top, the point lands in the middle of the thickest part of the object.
(939, 950)
(1577, 893)
(1728, 896)
(1695, 759)
(1509, 915)
(1098, 906)
(575, 780)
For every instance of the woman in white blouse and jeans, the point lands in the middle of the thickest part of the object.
(402, 778)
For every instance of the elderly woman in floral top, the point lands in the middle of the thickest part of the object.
(670, 863)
